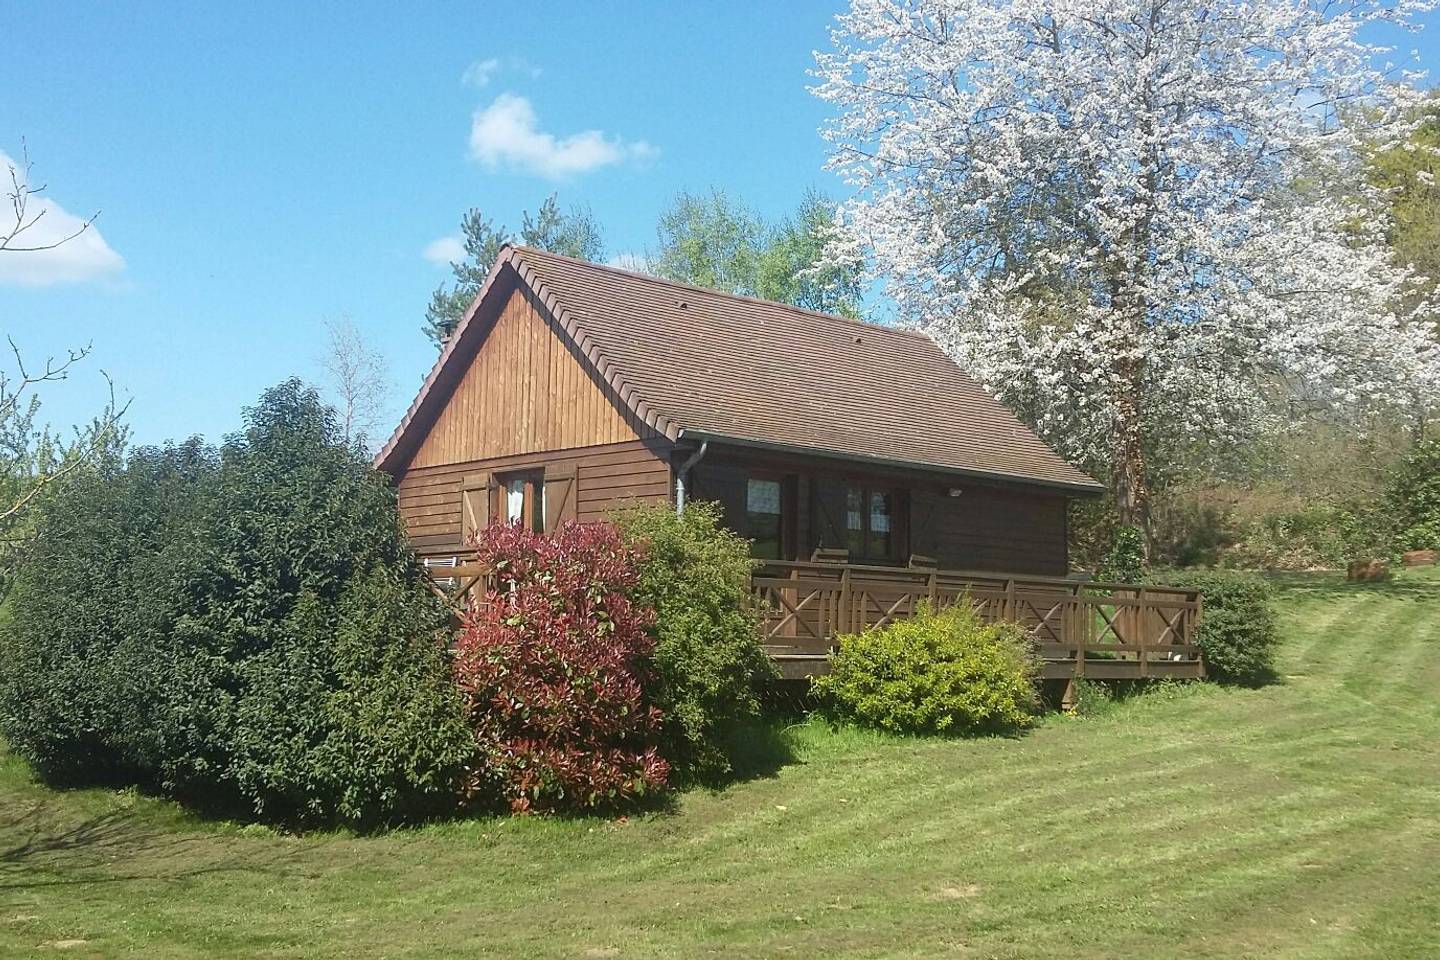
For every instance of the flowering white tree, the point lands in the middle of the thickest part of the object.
(1138, 221)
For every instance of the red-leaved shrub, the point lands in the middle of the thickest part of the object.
(553, 669)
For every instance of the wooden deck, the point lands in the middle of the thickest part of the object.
(1105, 631)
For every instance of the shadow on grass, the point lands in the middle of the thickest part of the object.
(761, 750)
(101, 837)
(37, 850)
(1268, 677)
(756, 750)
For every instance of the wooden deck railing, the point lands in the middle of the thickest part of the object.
(1080, 628)
(460, 585)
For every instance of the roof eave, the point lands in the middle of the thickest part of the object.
(1074, 488)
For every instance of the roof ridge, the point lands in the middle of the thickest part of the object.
(711, 291)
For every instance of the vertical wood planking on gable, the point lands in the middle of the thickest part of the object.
(526, 390)
(540, 369)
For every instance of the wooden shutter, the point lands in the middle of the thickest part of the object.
(475, 500)
(561, 480)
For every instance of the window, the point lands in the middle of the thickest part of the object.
(764, 523)
(870, 533)
(522, 500)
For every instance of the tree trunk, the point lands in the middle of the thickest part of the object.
(1130, 470)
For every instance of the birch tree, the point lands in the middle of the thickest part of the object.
(356, 383)
(1120, 214)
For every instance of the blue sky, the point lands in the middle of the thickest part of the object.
(264, 168)
(261, 169)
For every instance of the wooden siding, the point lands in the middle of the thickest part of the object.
(606, 478)
(1017, 529)
(526, 390)
(991, 528)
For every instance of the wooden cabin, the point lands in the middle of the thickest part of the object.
(870, 473)
(570, 389)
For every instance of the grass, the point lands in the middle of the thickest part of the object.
(1298, 820)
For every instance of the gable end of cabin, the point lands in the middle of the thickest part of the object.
(522, 427)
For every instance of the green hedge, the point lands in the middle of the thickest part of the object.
(86, 665)
(243, 628)
(945, 672)
(1237, 630)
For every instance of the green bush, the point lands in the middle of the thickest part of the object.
(945, 672)
(1414, 497)
(308, 536)
(85, 661)
(352, 717)
(1125, 561)
(710, 669)
(245, 629)
(1237, 632)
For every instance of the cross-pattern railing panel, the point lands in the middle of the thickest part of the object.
(809, 606)
(461, 586)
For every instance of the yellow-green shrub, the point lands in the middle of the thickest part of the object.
(938, 672)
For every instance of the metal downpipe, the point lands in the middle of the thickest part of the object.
(682, 475)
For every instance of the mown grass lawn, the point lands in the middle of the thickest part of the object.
(1299, 820)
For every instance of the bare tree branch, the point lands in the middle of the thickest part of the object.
(33, 459)
(19, 196)
(357, 380)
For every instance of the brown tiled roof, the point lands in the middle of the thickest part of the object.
(706, 365)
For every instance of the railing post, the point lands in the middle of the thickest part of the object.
(1011, 612)
(1142, 624)
(844, 602)
(1192, 623)
(1070, 621)
(1080, 643)
(931, 591)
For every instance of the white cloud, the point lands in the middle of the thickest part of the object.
(636, 262)
(445, 250)
(478, 74)
(506, 135)
(481, 72)
(85, 257)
